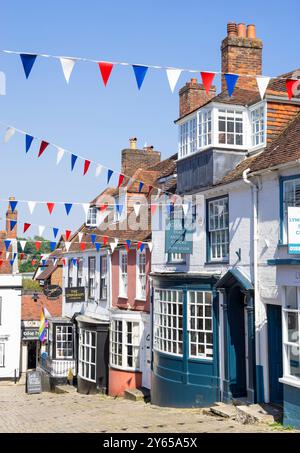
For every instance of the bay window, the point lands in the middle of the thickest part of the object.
(291, 343)
(204, 128)
(257, 118)
(125, 344)
(218, 229)
(141, 274)
(184, 139)
(290, 189)
(87, 354)
(200, 327)
(103, 277)
(91, 276)
(123, 273)
(168, 321)
(230, 127)
(63, 342)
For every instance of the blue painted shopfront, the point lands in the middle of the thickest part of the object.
(182, 381)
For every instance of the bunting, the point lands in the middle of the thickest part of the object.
(67, 65)
(73, 161)
(43, 146)
(231, 80)
(28, 141)
(207, 80)
(109, 175)
(105, 69)
(26, 226)
(28, 61)
(262, 84)
(291, 85)
(50, 207)
(173, 76)
(68, 207)
(139, 72)
(87, 164)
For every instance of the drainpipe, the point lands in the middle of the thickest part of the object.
(255, 261)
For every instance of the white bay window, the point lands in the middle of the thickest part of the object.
(125, 344)
(230, 127)
(204, 128)
(200, 324)
(257, 118)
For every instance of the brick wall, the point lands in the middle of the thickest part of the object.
(278, 117)
(192, 96)
(133, 159)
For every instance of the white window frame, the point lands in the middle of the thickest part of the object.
(1, 305)
(176, 258)
(2, 355)
(218, 235)
(204, 129)
(66, 333)
(125, 344)
(70, 272)
(123, 273)
(287, 342)
(235, 114)
(91, 277)
(103, 278)
(184, 139)
(86, 346)
(80, 271)
(92, 214)
(285, 206)
(200, 324)
(168, 321)
(261, 106)
(141, 274)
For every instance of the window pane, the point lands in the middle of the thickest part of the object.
(291, 297)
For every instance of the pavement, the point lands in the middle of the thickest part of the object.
(76, 413)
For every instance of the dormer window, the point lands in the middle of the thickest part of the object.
(230, 127)
(92, 216)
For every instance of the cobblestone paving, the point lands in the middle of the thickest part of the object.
(72, 412)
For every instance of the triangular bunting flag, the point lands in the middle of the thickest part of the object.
(7, 255)
(98, 246)
(44, 263)
(60, 154)
(127, 244)
(142, 246)
(67, 245)
(80, 236)
(42, 147)
(113, 245)
(103, 207)
(150, 246)
(82, 246)
(50, 206)
(28, 141)
(1, 262)
(68, 207)
(105, 69)
(52, 245)
(22, 244)
(73, 161)
(74, 261)
(185, 207)
(31, 206)
(64, 261)
(68, 234)
(139, 72)
(8, 134)
(231, 80)
(13, 223)
(55, 231)
(41, 229)
(149, 190)
(262, 83)
(105, 239)
(109, 175)
(207, 80)
(291, 84)
(93, 238)
(87, 163)
(119, 208)
(85, 207)
(121, 179)
(38, 245)
(137, 207)
(153, 208)
(33, 262)
(13, 205)
(26, 226)
(27, 62)
(98, 171)
(140, 186)
(67, 67)
(22, 254)
(173, 76)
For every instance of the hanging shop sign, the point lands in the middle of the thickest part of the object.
(76, 294)
(30, 333)
(294, 230)
(52, 292)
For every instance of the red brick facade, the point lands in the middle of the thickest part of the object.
(192, 96)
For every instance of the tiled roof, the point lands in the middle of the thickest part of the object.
(31, 310)
(277, 86)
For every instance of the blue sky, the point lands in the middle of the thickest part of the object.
(97, 122)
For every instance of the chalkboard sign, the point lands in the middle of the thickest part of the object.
(34, 382)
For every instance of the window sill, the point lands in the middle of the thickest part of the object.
(294, 382)
(211, 263)
(141, 299)
(123, 368)
(122, 297)
(201, 360)
(174, 263)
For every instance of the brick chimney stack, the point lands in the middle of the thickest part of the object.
(134, 158)
(12, 234)
(242, 54)
(192, 96)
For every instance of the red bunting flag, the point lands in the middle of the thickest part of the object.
(68, 234)
(149, 191)
(33, 262)
(64, 261)
(139, 245)
(42, 147)
(87, 163)
(38, 245)
(26, 226)
(207, 80)
(291, 84)
(121, 179)
(1, 262)
(22, 255)
(103, 207)
(105, 69)
(50, 207)
(153, 208)
(105, 239)
(82, 246)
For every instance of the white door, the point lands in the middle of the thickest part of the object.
(146, 357)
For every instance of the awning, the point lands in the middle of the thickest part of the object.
(233, 277)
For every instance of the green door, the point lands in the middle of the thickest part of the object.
(275, 353)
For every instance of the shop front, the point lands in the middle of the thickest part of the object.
(30, 345)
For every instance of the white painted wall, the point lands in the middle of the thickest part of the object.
(10, 327)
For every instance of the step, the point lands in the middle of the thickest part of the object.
(257, 413)
(139, 394)
(65, 389)
(224, 410)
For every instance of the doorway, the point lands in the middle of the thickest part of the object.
(31, 355)
(275, 353)
(146, 357)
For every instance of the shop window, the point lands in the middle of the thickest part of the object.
(125, 344)
(200, 324)
(87, 355)
(291, 317)
(63, 342)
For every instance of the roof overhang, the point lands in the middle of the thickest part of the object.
(234, 277)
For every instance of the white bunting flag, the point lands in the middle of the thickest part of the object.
(98, 171)
(67, 67)
(113, 245)
(67, 245)
(7, 255)
(8, 134)
(60, 154)
(158, 194)
(22, 244)
(54, 261)
(150, 246)
(80, 235)
(262, 83)
(41, 229)
(2, 84)
(137, 207)
(173, 76)
(185, 207)
(85, 207)
(31, 206)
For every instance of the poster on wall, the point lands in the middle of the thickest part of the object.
(294, 230)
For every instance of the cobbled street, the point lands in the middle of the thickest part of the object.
(72, 412)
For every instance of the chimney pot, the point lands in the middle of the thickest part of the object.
(251, 33)
(231, 29)
(132, 142)
(241, 30)
(194, 80)
(11, 198)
